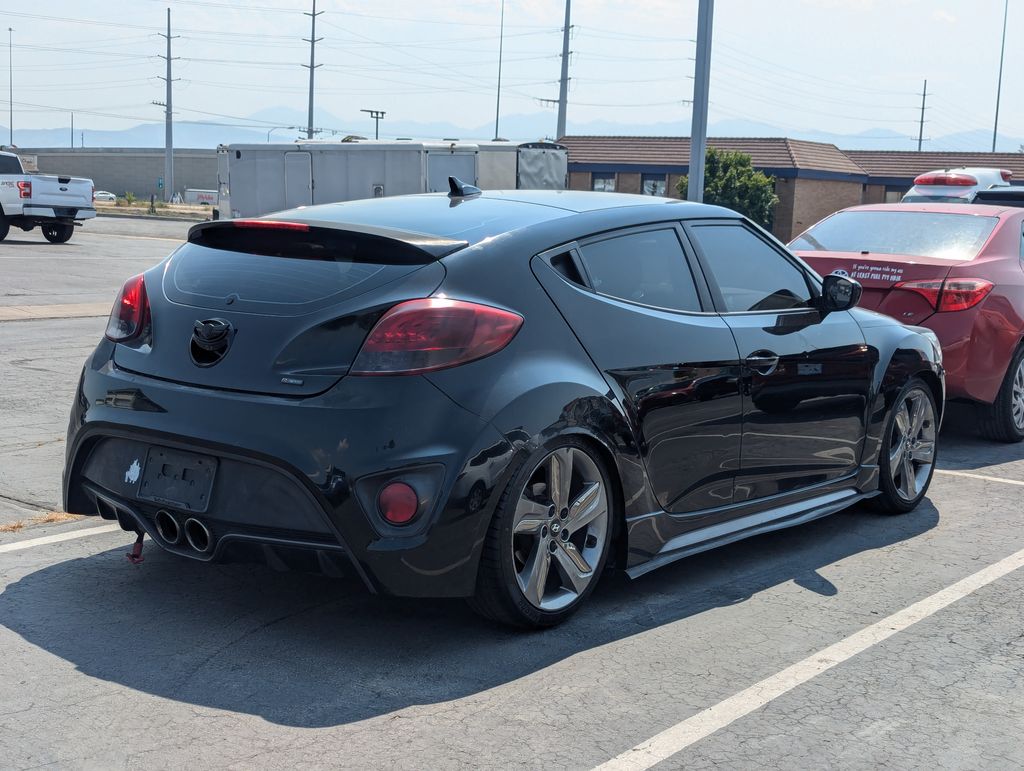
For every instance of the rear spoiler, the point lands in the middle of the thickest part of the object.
(323, 240)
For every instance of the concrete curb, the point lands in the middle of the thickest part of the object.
(154, 217)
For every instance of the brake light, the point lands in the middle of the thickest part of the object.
(94, 192)
(945, 178)
(130, 315)
(271, 225)
(1006, 174)
(24, 190)
(434, 333)
(959, 294)
(956, 294)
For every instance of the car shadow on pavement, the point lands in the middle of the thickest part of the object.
(309, 651)
(962, 448)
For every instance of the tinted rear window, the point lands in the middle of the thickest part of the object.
(924, 234)
(9, 165)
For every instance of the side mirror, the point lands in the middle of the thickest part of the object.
(839, 293)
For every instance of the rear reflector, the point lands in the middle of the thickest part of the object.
(271, 225)
(398, 503)
(434, 333)
(130, 314)
(957, 294)
(946, 178)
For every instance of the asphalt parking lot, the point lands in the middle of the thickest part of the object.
(855, 641)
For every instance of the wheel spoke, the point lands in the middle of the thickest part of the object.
(534, 577)
(917, 414)
(560, 477)
(587, 507)
(903, 421)
(909, 481)
(572, 567)
(530, 517)
(924, 452)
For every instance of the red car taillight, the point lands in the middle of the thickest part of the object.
(434, 333)
(945, 178)
(1006, 174)
(24, 190)
(130, 314)
(954, 294)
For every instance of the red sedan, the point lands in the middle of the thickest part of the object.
(956, 269)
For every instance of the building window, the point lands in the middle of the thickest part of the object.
(894, 195)
(602, 182)
(653, 184)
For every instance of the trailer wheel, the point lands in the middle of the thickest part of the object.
(58, 234)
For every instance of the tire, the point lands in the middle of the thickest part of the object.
(5, 227)
(530, 574)
(1003, 420)
(58, 234)
(906, 465)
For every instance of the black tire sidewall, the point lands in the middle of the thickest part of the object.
(503, 520)
(58, 234)
(1003, 407)
(889, 499)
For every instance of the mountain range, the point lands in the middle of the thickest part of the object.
(282, 123)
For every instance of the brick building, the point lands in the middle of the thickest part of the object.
(812, 179)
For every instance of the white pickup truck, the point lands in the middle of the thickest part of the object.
(54, 203)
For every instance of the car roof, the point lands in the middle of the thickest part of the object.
(977, 210)
(475, 218)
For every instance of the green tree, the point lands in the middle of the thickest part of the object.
(730, 180)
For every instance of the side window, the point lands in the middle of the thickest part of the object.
(751, 275)
(648, 268)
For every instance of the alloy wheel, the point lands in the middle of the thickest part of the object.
(559, 529)
(912, 445)
(1017, 402)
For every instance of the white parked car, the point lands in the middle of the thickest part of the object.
(52, 202)
(103, 195)
(955, 185)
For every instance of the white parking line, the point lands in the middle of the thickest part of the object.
(57, 538)
(979, 476)
(703, 724)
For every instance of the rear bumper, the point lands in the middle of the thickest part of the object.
(296, 474)
(33, 211)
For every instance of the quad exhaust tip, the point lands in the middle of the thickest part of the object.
(198, 536)
(167, 526)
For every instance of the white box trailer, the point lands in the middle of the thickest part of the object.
(258, 179)
(253, 180)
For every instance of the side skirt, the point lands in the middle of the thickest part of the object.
(790, 515)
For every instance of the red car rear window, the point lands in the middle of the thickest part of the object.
(927, 234)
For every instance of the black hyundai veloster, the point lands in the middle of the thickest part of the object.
(494, 396)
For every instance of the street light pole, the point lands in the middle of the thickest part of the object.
(999, 84)
(10, 78)
(701, 85)
(377, 116)
(501, 46)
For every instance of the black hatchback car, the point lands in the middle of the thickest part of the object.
(493, 396)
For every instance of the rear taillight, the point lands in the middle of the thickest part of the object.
(945, 178)
(1006, 174)
(434, 333)
(24, 190)
(955, 294)
(130, 315)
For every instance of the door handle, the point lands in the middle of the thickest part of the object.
(762, 362)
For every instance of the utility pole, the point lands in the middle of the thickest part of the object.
(313, 40)
(168, 120)
(999, 84)
(10, 78)
(701, 87)
(563, 83)
(920, 128)
(501, 46)
(377, 116)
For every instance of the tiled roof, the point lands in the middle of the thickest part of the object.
(909, 163)
(765, 152)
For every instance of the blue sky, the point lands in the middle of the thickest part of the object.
(836, 65)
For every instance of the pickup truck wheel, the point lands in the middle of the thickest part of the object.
(5, 227)
(58, 234)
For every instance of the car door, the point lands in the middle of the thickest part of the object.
(632, 300)
(806, 378)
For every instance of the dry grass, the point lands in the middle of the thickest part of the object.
(49, 518)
